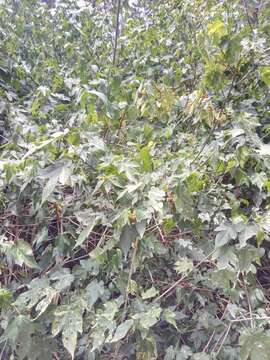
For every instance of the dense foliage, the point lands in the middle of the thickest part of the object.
(134, 179)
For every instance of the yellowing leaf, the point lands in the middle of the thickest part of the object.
(150, 293)
(217, 29)
(146, 159)
(265, 74)
(184, 265)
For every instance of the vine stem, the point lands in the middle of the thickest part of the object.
(135, 247)
(130, 274)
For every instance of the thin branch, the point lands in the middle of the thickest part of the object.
(182, 278)
(209, 341)
(3, 349)
(249, 306)
(251, 318)
(160, 232)
(247, 14)
(131, 269)
(223, 340)
(116, 32)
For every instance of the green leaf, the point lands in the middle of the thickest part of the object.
(248, 255)
(5, 298)
(254, 345)
(249, 232)
(226, 234)
(264, 150)
(68, 320)
(100, 95)
(19, 334)
(58, 172)
(122, 330)
(22, 254)
(149, 318)
(62, 279)
(184, 203)
(49, 188)
(170, 317)
(128, 235)
(214, 76)
(194, 183)
(46, 298)
(39, 296)
(56, 136)
(85, 233)
(94, 291)
(156, 198)
(140, 227)
(217, 29)
(223, 278)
